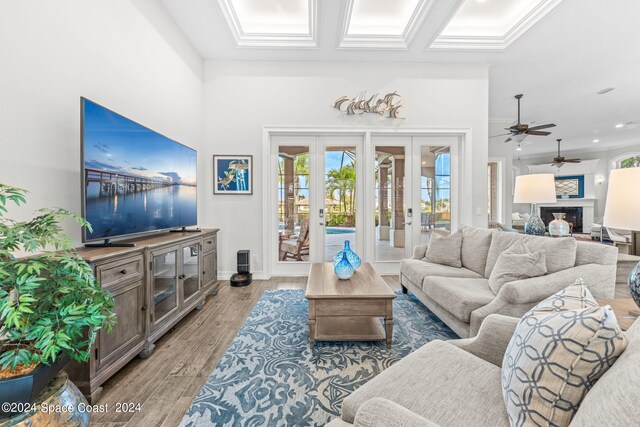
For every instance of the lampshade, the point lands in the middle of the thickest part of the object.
(535, 188)
(622, 209)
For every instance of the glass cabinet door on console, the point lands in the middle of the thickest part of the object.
(190, 271)
(164, 284)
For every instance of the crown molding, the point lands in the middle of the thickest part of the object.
(471, 42)
(378, 41)
(275, 40)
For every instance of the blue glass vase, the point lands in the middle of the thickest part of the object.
(343, 268)
(353, 257)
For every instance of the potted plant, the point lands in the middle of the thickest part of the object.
(51, 306)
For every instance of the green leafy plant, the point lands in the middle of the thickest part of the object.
(50, 302)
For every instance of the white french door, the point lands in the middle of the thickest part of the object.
(413, 184)
(382, 192)
(436, 184)
(340, 213)
(315, 199)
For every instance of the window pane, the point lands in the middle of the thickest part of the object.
(293, 203)
(435, 190)
(340, 199)
(390, 204)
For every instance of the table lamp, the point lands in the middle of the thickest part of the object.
(622, 211)
(535, 188)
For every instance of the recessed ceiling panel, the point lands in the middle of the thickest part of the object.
(492, 24)
(273, 16)
(381, 17)
(382, 24)
(271, 23)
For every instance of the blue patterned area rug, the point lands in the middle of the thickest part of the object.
(269, 377)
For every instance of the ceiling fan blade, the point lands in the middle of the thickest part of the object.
(550, 125)
(508, 139)
(572, 161)
(502, 134)
(537, 132)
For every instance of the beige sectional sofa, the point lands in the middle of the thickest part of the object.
(458, 384)
(462, 298)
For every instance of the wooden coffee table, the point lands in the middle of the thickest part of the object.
(349, 310)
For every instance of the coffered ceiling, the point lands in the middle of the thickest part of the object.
(559, 53)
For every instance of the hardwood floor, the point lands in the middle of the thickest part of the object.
(166, 383)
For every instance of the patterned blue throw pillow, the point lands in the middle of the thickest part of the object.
(559, 350)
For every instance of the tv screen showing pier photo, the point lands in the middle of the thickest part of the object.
(134, 179)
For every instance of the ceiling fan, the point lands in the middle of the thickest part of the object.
(519, 131)
(560, 160)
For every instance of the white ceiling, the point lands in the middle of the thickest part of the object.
(559, 57)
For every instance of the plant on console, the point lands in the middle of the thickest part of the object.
(51, 305)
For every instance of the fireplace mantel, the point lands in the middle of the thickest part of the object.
(587, 205)
(571, 202)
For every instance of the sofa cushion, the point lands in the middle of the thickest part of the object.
(559, 350)
(441, 383)
(594, 253)
(459, 296)
(561, 252)
(475, 248)
(445, 250)
(613, 400)
(517, 263)
(416, 270)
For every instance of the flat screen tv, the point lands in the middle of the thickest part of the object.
(134, 180)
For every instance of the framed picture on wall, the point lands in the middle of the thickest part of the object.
(570, 187)
(232, 174)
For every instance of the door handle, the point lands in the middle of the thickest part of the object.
(322, 223)
(182, 276)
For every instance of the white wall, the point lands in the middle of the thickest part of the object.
(499, 150)
(241, 98)
(126, 55)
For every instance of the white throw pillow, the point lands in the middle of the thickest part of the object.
(517, 263)
(445, 250)
(559, 350)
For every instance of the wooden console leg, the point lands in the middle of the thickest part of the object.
(147, 350)
(94, 396)
(200, 305)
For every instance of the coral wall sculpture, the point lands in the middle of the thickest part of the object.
(388, 106)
